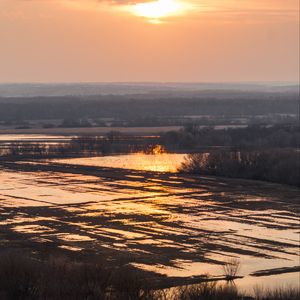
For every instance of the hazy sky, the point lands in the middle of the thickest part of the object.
(163, 40)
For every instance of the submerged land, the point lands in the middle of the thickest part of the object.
(116, 189)
(175, 229)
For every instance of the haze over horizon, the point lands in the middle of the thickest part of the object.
(219, 41)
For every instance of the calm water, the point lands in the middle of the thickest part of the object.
(32, 138)
(146, 162)
(171, 224)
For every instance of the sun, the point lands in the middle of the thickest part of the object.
(156, 10)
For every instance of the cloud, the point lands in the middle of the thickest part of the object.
(228, 8)
(120, 2)
(117, 2)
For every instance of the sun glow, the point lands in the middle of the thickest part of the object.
(159, 9)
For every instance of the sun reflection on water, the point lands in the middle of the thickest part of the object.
(157, 161)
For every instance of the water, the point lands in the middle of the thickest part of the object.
(32, 138)
(171, 224)
(165, 162)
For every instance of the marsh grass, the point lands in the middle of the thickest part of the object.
(25, 278)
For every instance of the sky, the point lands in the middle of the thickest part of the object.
(149, 41)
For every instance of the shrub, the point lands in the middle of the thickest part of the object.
(274, 165)
(231, 268)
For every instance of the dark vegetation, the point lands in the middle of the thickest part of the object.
(152, 121)
(212, 291)
(257, 152)
(253, 137)
(190, 139)
(25, 278)
(231, 269)
(139, 109)
(112, 143)
(280, 165)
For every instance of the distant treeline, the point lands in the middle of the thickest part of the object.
(274, 165)
(141, 106)
(152, 121)
(190, 139)
(252, 137)
(113, 142)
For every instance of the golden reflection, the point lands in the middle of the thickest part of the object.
(158, 149)
(156, 159)
(158, 162)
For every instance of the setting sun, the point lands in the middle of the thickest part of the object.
(159, 9)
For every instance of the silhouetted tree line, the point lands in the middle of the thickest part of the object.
(190, 139)
(256, 152)
(207, 121)
(113, 142)
(135, 106)
(253, 137)
(274, 165)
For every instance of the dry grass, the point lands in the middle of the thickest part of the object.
(25, 278)
(280, 293)
(22, 278)
(207, 291)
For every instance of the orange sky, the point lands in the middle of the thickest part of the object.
(105, 41)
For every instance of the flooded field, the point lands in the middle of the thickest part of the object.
(175, 227)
